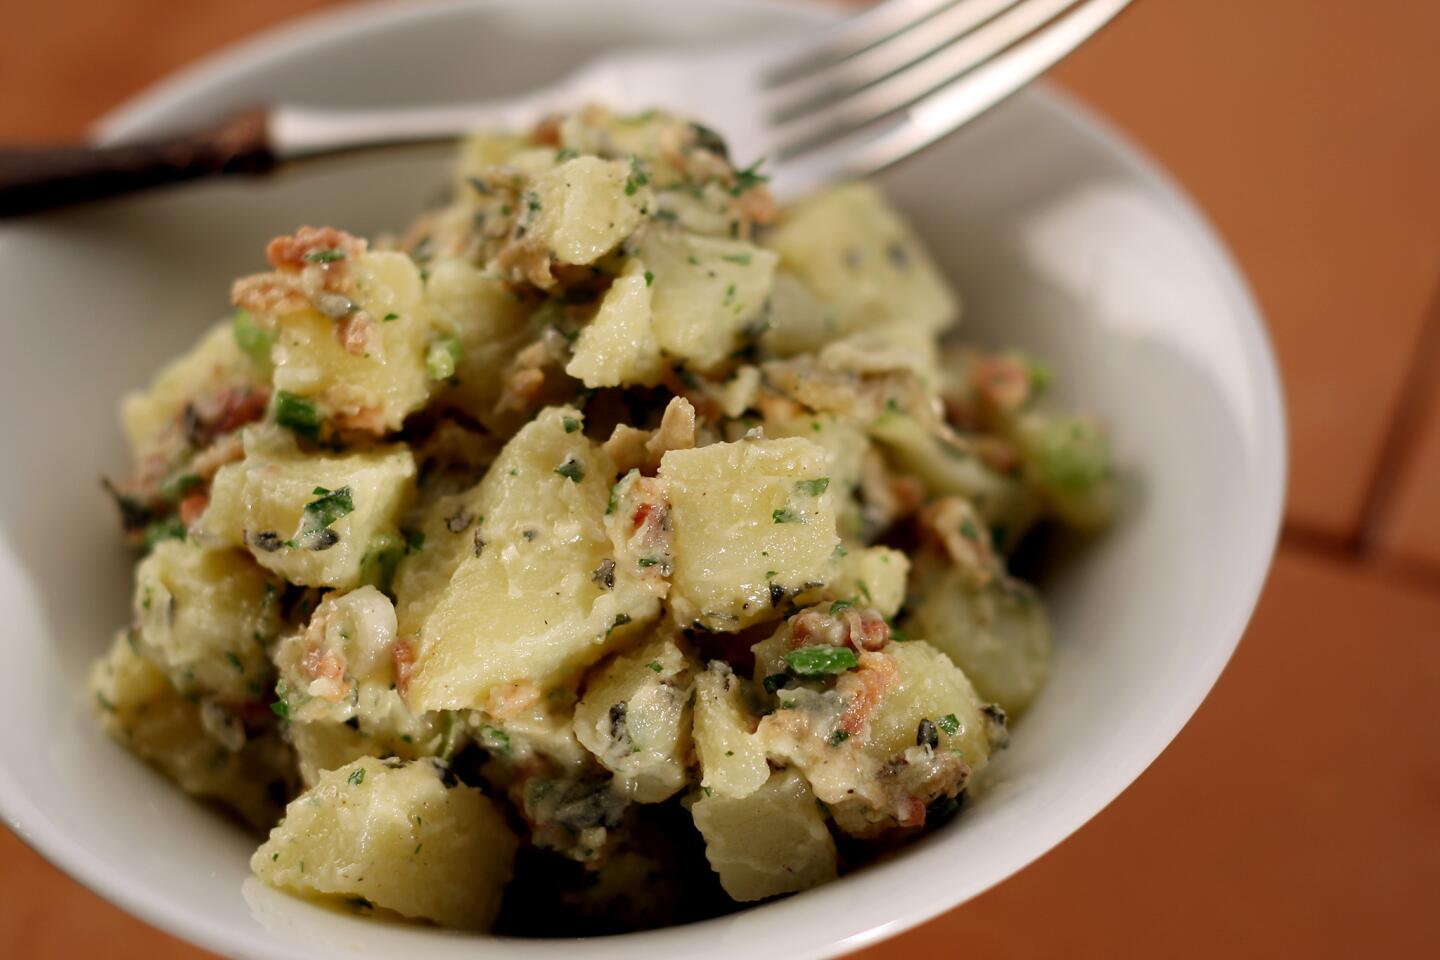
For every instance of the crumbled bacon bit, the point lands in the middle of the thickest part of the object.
(864, 688)
(403, 659)
(998, 454)
(758, 205)
(321, 663)
(1002, 383)
(512, 699)
(355, 331)
(952, 524)
(237, 407)
(192, 507)
(270, 293)
(547, 131)
(909, 812)
(290, 252)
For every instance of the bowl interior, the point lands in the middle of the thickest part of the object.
(1060, 240)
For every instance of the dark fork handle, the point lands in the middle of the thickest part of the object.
(42, 178)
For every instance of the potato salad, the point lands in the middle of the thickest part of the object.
(610, 548)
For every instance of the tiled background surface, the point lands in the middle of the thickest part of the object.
(1299, 813)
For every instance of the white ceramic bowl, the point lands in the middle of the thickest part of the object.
(1062, 238)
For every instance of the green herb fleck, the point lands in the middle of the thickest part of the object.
(748, 178)
(654, 665)
(357, 778)
(775, 681)
(649, 278)
(741, 258)
(565, 153)
(325, 256)
(571, 424)
(297, 414)
(821, 661)
(785, 515)
(812, 488)
(572, 469)
(949, 724)
(838, 737)
(319, 515)
(389, 317)
(840, 605)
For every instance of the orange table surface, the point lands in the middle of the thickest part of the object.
(1299, 812)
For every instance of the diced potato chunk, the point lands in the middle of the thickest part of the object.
(748, 516)
(618, 347)
(998, 634)
(530, 602)
(214, 364)
(859, 258)
(930, 687)
(267, 502)
(769, 842)
(405, 836)
(141, 710)
(635, 718)
(707, 293)
(337, 687)
(732, 758)
(205, 617)
(489, 323)
(947, 470)
(363, 371)
(481, 151)
(1067, 459)
(871, 577)
(585, 207)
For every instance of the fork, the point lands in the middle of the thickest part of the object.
(864, 94)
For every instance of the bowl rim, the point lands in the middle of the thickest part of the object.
(154, 107)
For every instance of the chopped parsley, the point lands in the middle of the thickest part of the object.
(649, 278)
(840, 605)
(325, 256)
(320, 514)
(495, 740)
(571, 424)
(838, 737)
(812, 488)
(949, 724)
(968, 531)
(356, 778)
(565, 153)
(654, 665)
(785, 515)
(775, 681)
(414, 540)
(389, 317)
(572, 469)
(297, 414)
(821, 661)
(748, 178)
(637, 177)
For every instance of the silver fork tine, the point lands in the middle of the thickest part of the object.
(855, 35)
(900, 50)
(959, 57)
(864, 151)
